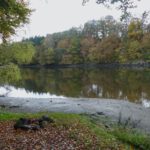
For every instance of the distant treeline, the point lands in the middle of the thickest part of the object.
(98, 41)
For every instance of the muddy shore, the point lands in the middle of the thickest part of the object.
(114, 109)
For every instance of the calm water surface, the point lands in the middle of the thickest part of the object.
(122, 84)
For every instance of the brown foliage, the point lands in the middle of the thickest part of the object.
(52, 137)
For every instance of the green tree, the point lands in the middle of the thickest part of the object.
(135, 31)
(74, 45)
(18, 53)
(13, 14)
(133, 51)
(37, 40)
(6, 55)
(145, 46)
(50, 56)
(9, 74)
(22, 52)
(91, 29)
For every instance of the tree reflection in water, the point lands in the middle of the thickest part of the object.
(128, 84)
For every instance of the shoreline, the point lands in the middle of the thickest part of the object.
(91, 65)
(111, 108)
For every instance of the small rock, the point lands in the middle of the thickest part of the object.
(107, 126)
(32, 124)
(100, 113)
(14, 107)
(2, 106)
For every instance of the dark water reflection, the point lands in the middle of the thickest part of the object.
(128, 84)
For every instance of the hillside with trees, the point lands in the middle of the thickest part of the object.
(102, 41)
(98, 41)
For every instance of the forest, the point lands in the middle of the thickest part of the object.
(98, 41)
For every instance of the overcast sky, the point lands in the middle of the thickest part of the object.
(58, 15)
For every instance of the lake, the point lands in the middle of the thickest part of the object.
(122, 84)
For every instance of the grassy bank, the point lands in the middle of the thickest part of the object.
(87, 133)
